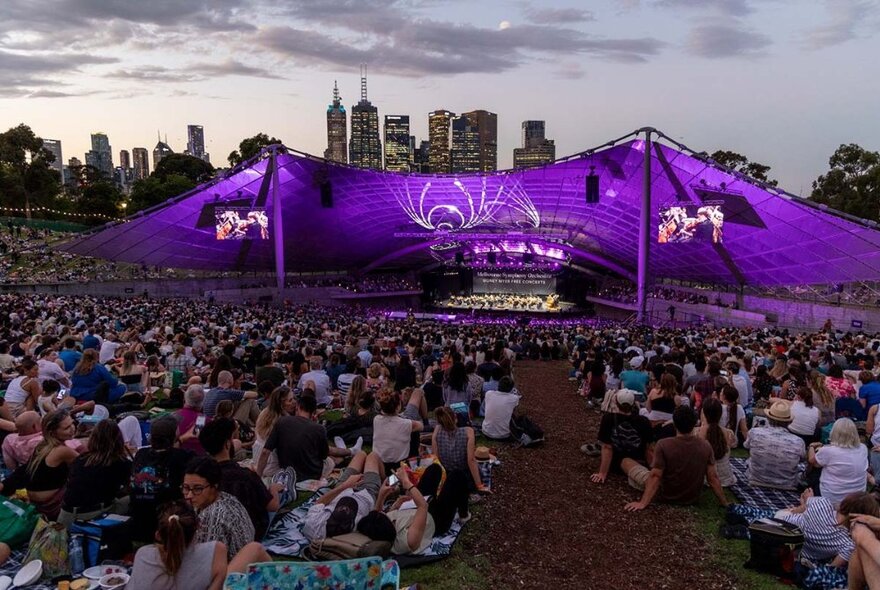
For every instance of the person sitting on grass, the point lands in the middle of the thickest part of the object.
(622, 435)
(681, 465)
(775, 453)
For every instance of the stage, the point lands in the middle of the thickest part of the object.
(549, 304)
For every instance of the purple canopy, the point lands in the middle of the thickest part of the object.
(367, 219)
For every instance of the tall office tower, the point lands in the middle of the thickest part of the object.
(195, 142)
(398, 156)
(54, 146)
(421, 157)
(141, 159)
(438, 136)
(365, 148)
(124, 159)
(71, 171)
(337, 130)
(465, 153)
(161, 150)
(486, 125)
(536, 150)
(101, 155)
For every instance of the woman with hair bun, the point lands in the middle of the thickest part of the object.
(175, 561)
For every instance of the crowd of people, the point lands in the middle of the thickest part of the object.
(500, 301)
(380, 283)
(804, 406)
(244, 402)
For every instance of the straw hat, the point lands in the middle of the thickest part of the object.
(779, 411)
(482, 454)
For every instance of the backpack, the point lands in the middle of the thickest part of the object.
(774, 545)
(348, 546)
(102, 539)
(625, 437)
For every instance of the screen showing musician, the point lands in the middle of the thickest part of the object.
(691, 223)
(238, 223)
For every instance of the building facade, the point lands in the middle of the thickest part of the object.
(124, 159)
(161, 150)
(421, 156)
(365, 147)
(337, 130)
(100, 156)
(141, 163)
(54, 146)
(195, 142)
(439, 124)
(398, 155)
(465, 152)
(536, 149)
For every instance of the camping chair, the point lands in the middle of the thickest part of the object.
(367, 573)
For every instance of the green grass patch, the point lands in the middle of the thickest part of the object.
(728, 555)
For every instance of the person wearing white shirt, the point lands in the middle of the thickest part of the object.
(50, 369)
(804, 415)
(320, 378)
(108, 349)
(844, 462)
(499, 409)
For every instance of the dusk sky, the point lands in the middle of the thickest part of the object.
(782, 81)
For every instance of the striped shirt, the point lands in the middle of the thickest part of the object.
(824, 538)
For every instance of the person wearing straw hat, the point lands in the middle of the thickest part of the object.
(775, 452)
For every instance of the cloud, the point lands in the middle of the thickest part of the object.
(727, 7)
(21, 73)
(569, 70)
(725, 40)
(190, 73)
(231, 67)
(152, 74)
(844, 21)
(558, 16)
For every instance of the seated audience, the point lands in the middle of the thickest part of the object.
(93, 382)
(392, 430)
(454, 446)
(721, 440)
(844, 462)
(804, 415)
(280, 403)
(23, 392)
(321, 381)
(193, 401)
(623, 434)
(225, 391)
(500, 405)
(774, 451)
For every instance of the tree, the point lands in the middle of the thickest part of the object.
(852, 185)
(741, 164)
(98, 199)
(250, 147)
(195, 169)
(26, 180)
(151, 191)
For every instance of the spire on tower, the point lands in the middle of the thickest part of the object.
(363, 82)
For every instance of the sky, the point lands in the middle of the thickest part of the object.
(783, 82)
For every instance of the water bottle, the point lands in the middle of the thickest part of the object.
(75, 552)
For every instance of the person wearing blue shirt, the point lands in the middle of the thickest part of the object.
(634, 378)
(92, 381)
(869, 392)
(91, 341)
(69, 355)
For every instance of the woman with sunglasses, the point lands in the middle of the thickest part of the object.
(221, 516)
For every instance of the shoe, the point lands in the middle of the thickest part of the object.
(591, 449)
(359, 443)
(287, 478)
(339, 443)
(464, 519)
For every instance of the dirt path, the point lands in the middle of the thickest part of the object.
(548, 526)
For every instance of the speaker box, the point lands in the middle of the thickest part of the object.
(492, 257)
(592, 188)
(459, 257)
(326, 195)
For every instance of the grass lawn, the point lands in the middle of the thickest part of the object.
(728, 555)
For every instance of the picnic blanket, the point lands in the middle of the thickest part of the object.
(285, 535)
(755, 496)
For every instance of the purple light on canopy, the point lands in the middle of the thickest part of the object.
(770, 237)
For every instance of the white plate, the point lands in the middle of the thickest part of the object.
(28, 574)
(99, 571)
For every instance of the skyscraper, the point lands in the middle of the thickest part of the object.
(54, 146)
(337, 130)
(124, 159)
(365, 148)
(71, 172)
(398, 156)
(438, 136)
(486, 124)
(141, 161)
(101, 155)
(465, 152)
(536, 150)
(161, 150)
(195, 142)
(421, 157)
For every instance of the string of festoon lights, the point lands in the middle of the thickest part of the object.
(57, 212)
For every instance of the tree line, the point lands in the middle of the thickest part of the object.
(27, 180)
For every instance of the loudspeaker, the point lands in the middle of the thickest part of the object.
(528, 257)
(492, 258)
(326, 194)
(592, 188)
(459, 257)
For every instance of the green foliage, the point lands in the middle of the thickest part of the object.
(154, 190)
(26, 180)
(852, 185)
(250, 147)
(741, 164)
(190, 167)
(99, 198)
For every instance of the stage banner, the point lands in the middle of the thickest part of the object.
(507, 281)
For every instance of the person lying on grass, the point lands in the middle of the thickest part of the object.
(680, 466)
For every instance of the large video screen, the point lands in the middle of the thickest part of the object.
(241, 223)
(509, 281)
(691, 223)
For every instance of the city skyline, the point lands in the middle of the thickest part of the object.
(780, 82)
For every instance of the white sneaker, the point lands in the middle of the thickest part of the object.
(339, 443)
(358, 444)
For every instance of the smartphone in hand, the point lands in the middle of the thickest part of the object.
(200, 423)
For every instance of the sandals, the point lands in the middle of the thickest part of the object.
(592, 449)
